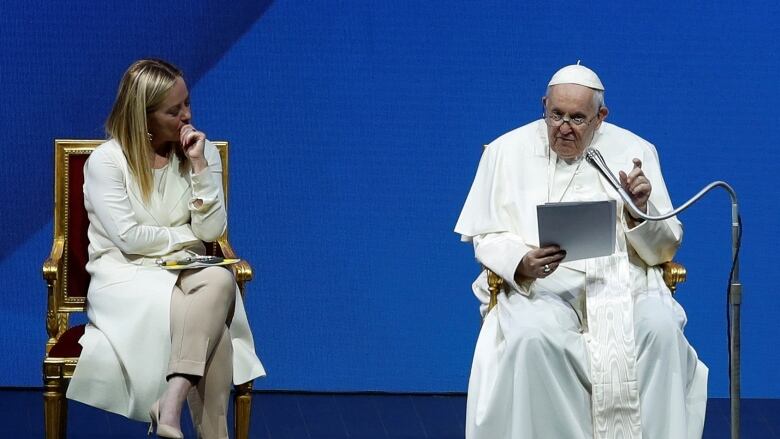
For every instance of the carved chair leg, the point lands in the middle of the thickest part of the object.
(242, 410)
(55, 408)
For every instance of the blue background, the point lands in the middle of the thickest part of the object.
(356, 128)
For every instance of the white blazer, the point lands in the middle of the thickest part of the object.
(126, 344)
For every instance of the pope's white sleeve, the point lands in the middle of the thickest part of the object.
(104, 188)
(655, 242)
(501, 253)
(210, 218)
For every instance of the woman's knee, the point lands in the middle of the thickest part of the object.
(217, 289)
(221, 276)
(220, 279)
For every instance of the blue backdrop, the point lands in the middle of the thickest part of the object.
(356, 127)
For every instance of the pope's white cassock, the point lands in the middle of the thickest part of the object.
(596, 349)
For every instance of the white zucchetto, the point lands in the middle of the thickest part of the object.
(577, 74)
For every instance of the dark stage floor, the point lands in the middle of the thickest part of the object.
(335, 416)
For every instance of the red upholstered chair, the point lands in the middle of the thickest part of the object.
(67, 281)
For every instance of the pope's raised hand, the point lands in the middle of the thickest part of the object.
(637, 185)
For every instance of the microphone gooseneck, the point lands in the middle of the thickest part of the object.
(594, 157)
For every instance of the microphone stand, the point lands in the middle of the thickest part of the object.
(593, 156)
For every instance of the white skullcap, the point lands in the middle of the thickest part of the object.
(577, 74)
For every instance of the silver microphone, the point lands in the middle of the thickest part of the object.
(593, 156)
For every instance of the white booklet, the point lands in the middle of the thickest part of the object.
(584, 229)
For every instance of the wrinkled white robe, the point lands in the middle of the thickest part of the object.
(537, 371)
(126, 344)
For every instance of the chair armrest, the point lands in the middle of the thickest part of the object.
(241, 270)
(495, 286)
(674, 274)
(52, 265)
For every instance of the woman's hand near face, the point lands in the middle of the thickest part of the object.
(193, 142)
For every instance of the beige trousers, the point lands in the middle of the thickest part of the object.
(201, 309)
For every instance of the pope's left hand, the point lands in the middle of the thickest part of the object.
(637, 185)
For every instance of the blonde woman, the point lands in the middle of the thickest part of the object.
(156, 337)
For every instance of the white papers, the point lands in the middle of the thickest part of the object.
(583, 229)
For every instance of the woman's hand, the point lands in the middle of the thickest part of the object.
(193, 142)
(539, 263)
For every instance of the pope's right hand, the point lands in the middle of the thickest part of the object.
(539, 263)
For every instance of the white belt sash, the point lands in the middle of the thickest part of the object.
(610, 341)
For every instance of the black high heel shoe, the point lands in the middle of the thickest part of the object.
(162, 430)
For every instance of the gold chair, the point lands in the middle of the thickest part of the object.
(67, 281)
(674, 274)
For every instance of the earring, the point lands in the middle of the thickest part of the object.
(149, 136)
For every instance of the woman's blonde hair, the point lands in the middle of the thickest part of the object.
(143, 88)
